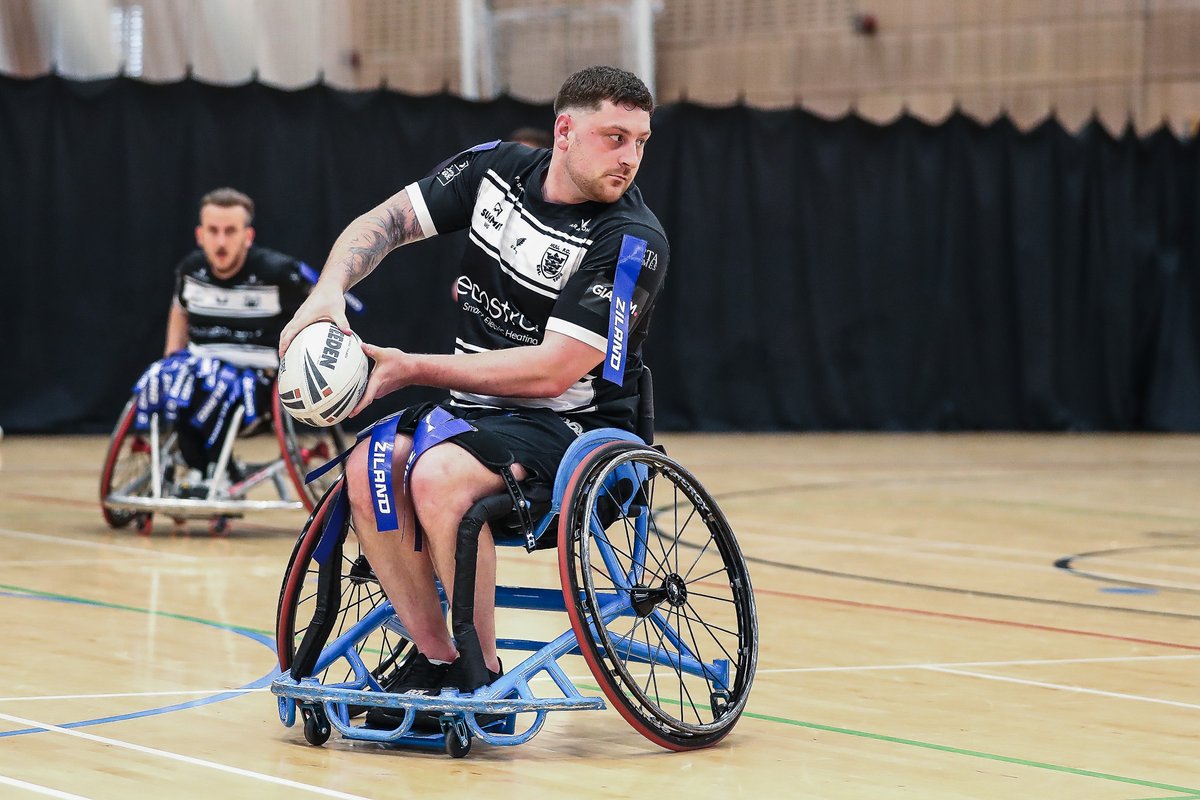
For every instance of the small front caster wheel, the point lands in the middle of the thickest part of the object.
(457, 735)
(316, 727)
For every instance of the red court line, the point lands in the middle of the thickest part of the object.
(68, 501)
(966, 618)
(62, 501)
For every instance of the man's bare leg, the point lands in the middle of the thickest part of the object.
(445, 483)
(405, 574)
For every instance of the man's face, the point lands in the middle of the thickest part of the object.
(603, 148)
(224, 237)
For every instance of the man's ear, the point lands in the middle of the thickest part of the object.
(199, 241)
(249, 236)
(562, 127)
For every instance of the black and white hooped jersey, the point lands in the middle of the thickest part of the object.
(591, 271)
(238, 320)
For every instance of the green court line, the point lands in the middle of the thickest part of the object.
(1087, 773)
(1184, 792)
(121, 607)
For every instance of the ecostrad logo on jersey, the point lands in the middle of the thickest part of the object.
(476, 299)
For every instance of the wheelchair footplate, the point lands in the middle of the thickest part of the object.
(448, 721)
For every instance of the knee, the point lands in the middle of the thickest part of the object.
(356, 474)
(358, 470)
(444, 480)
(433, 476)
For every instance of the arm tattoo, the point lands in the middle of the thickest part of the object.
(363, 258)
(399, 223)
(396, 225)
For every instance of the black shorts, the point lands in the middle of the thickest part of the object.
(537, 437)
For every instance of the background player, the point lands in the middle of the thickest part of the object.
(231, 301)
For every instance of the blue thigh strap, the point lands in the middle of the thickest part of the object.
(436, 427)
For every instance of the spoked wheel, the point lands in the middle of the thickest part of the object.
(126, 467)
(658, 595)
(358, 590)
(305, 448)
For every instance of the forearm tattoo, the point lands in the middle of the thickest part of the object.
(396, 225)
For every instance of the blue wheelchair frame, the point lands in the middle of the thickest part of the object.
(326, 706)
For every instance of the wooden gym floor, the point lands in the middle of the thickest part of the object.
(965, 616)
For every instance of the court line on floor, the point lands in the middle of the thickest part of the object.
(1024, 662)
(1033, 626)
(1186, 515)
(769, 530)
(909, 545)
(783, 720)
(1063, 687)
(39, 789)
(117, 695)
(49, 498)
(190, 760)
(910, 551)
(948, 667)
(65, 540)
(879, 737)
(977, 593)
(262, 637)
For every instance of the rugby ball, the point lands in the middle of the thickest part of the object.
(322, 376)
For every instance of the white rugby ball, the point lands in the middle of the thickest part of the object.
(322, 376)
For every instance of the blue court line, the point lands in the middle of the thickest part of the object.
(1184, 792)
(19, 593)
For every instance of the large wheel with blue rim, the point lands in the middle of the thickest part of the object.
(639, 534)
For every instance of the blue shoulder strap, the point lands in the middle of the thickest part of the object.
(629, 266)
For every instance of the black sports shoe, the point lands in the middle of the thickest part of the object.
(417, 676)
(416, 682)
(454, 675)
(484, 720)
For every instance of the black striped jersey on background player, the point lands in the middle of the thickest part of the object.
(238, 320)
(532, 266)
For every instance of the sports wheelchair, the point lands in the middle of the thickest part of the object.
(144, 461)
(652, 580)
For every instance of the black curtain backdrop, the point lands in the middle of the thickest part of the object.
(825, 274)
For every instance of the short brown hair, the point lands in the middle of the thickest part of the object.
(534, 137)
(591, 86)
(226, 197)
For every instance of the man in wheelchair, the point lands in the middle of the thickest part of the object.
(215, 382)
(564, 266)
(231, 301)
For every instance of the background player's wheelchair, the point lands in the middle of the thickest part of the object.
(144, 463)
(652, 580)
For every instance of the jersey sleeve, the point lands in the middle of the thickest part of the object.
(614, 289)
(180, 269)
(293, 289)
(443, 199)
